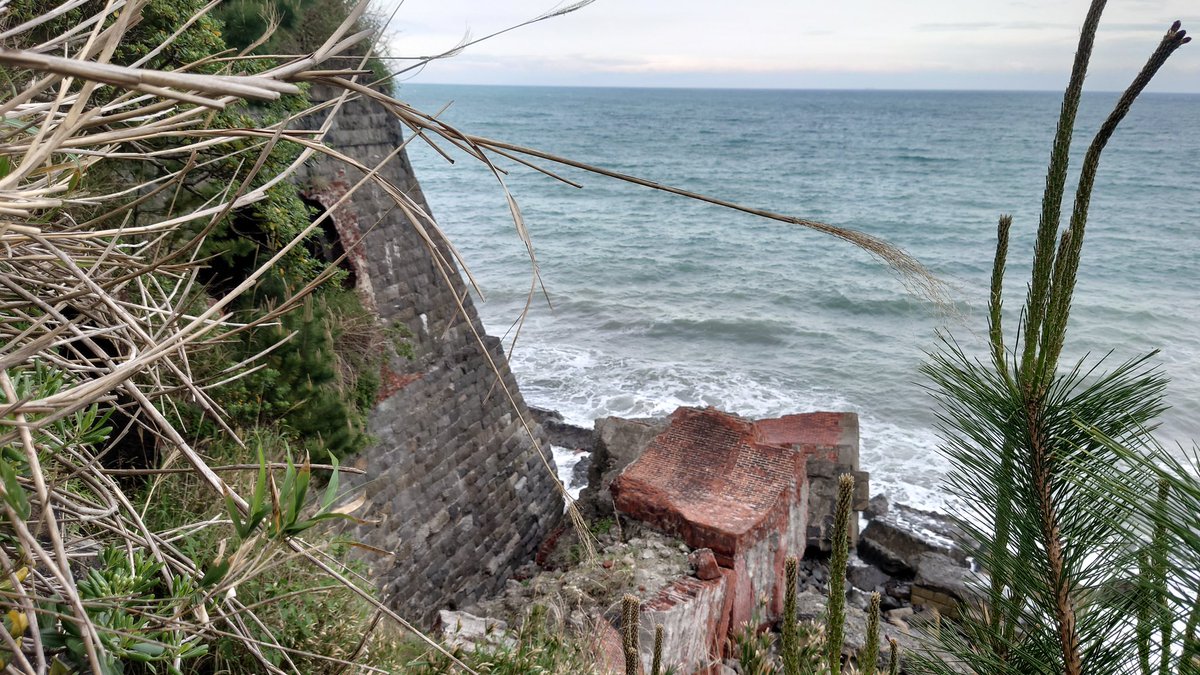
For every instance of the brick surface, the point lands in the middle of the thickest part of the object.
(829, 441)
(708, 481)
(711, 481)
(824, 435)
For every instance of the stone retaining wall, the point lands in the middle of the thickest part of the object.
(459, 492)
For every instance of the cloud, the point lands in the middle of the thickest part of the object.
(1159, 27)
(964, 26)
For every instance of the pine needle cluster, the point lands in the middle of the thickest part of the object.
(1041, 458)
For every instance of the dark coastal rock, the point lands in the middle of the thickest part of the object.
(942, 584)
(877, 507)
(896, 541)
(867, 577)
(579, 474)
(561, 433)
(616, 443)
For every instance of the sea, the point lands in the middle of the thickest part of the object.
(648, 301)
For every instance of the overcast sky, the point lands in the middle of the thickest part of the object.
(891, 44)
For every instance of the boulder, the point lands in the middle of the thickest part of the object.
(877, 507)
(617, 442)
(866, 577)
(560, 432)
(896, 541)
(579, 474)
(941, 584)
(470, 632)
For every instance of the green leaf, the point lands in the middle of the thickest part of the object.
(235, 516)
(215, 573)
(14, 494)
(260, 485)
(303, 475)
(149, 649)
(332, 488)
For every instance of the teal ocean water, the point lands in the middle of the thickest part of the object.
(657, 302)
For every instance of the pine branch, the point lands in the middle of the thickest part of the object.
(1066, 265)
(1056, 180)
(836, 609)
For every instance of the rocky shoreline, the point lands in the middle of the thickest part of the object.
(907, 555)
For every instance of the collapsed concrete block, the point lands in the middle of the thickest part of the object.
(469, 632)
(829, 442)
(710, 480)
(694, 615)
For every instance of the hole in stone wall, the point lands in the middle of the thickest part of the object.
(247, 247)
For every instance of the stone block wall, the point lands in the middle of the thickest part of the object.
(460, 495)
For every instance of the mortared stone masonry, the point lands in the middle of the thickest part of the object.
(458, 491)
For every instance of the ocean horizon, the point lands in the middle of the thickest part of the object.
(633, 87)
(656, 301)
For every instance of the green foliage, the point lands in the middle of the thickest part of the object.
(304, 384)
(752, 648)
(835, 618)
(318, 386)
(869, 658)
(603, 526)
(789, 631)
(802, 645)
(297, 606)
(656, 662)
(78, 432)
(159, 19)
(132, 609)
(1030, 442)
(631, 608)
(283, 515)
(302, 26)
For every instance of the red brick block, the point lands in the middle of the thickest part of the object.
(712, 480)
(820, 434)
(705, 563)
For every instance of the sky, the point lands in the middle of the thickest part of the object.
(794, 44)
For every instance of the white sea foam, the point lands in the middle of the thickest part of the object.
(904, 463)
(565, 460)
